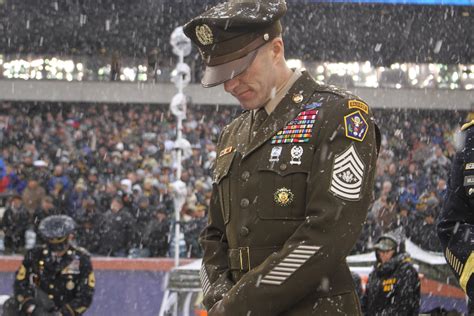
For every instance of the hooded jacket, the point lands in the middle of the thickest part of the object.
(393, 288)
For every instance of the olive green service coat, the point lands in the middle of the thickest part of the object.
(286, 210)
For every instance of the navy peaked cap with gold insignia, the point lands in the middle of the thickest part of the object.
(229, 34)
(56, 227)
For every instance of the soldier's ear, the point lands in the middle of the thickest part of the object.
(277, 47)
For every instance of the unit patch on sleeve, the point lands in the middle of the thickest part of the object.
(356, 126)
(298, 130)
(347, 175)
(356, 104)
(289, 265)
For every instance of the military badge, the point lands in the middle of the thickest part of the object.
(226, 151)
(356, 126)
(312, 106)
(296, 154)
(356, 104)
(72, 268)
(283, 197)
(275, 154)
(347, 175)
(297, 98)
(469, 166)
(468, 180)
(298, 130)
(204, 34)
(70, 285)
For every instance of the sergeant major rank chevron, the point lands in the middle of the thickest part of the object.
(347, 175)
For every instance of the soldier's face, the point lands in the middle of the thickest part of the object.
(253, 88)
(385, 255)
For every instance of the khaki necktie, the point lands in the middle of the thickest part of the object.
(258, 119)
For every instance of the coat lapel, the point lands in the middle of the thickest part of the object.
(286, 110)
(243, 134)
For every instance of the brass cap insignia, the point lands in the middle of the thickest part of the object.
(297, 97)
(283, 197)
(204, 34)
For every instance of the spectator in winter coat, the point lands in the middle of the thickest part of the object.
(46, 209)
(116, 230)
(141, 214)
(59, 177)
(422, 224)
(192, 229)
(88, 224)
(371, 231)
(75, 198)
(393, 287)
(32, 196)
(156, 233)
(14, 224)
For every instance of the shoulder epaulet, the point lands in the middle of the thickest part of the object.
(82, 250)
(467, 125)
(335, 90)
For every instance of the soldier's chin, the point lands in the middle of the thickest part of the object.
(249, 104)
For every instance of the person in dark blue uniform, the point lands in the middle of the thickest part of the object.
(55, 278)
(456, 223)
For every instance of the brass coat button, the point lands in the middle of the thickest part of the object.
(244, 231)
(245, 175)
(244, 203)
(283, 166)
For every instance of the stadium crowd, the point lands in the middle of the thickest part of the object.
(112, 168)
(106, 29)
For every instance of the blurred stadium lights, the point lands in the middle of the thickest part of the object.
(349, 74)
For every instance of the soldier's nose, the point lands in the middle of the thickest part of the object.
(230, 85)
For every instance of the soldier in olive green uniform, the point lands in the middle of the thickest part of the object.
(56, 278)
(293, 177)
